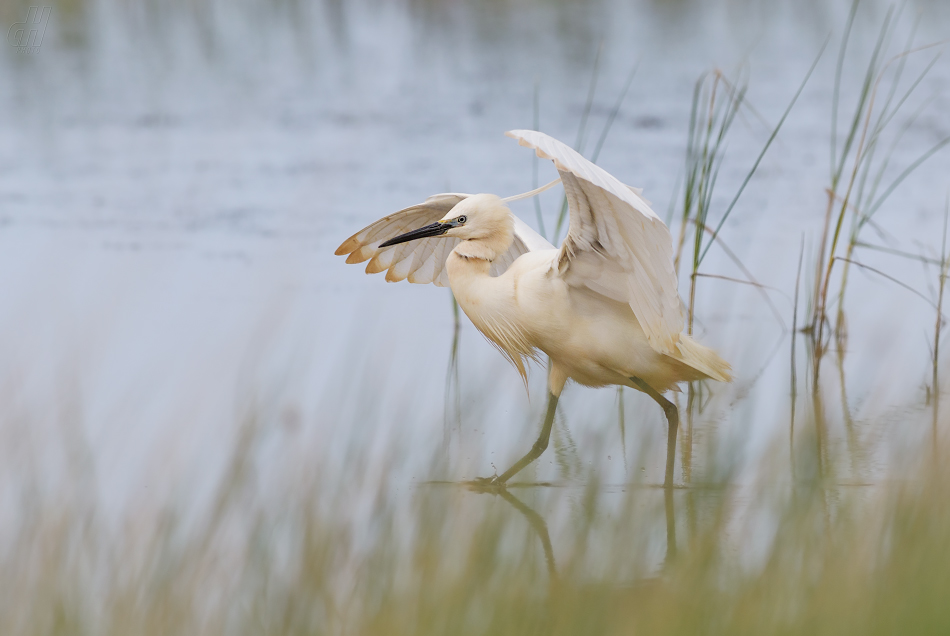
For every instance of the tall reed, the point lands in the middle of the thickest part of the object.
(858, 187)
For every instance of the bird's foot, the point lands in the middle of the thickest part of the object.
(486, 484)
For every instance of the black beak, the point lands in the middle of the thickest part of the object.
(434, 229)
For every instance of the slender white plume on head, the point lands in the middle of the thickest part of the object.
(532, 193)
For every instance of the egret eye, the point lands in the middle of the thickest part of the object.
(461, 219)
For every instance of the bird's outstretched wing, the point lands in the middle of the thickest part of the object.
(423, 260)
(616, 245)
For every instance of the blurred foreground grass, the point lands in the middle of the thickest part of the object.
(341, 547)
(357, 555)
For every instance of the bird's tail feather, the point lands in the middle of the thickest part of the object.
(702, 359)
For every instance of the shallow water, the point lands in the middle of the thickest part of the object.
(174, 180)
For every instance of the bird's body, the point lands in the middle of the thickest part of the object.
(604, 307)
(591, 339)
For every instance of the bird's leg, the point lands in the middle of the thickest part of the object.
(672, 416)
(539, 445)
(557, 376)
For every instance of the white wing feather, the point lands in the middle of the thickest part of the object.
(423, 260)
(616, 245)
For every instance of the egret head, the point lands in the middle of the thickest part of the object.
(480, 217)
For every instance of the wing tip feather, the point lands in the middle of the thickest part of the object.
(394, 275)
(375, 267)
(357, 256)
(348, 246)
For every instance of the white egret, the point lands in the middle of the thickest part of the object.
(604, 307)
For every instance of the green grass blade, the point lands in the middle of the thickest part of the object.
(535, 160)
(865, 96)
(936, 147)
(758, 160)
(836, 93)
(581, 129)
(613, 114)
